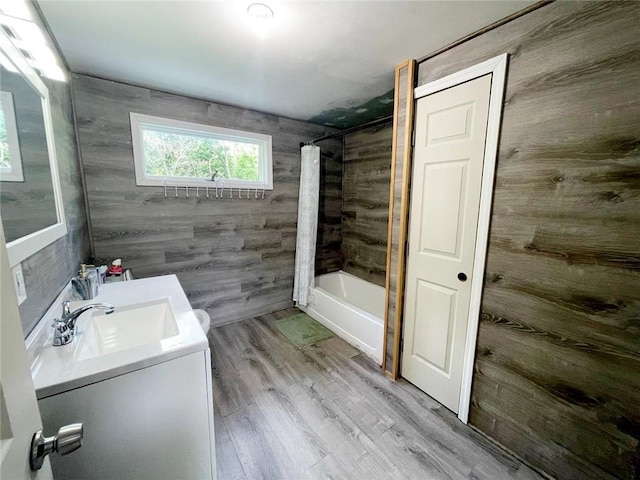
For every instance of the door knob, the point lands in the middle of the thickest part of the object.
(68, 439)
(462, 277)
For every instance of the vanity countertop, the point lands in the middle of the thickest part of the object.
(59, 369)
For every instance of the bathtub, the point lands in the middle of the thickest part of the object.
(350, 307)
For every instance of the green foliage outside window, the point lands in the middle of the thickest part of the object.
(5, 161)
(175, 155)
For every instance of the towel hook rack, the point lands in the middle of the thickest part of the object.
(218, 188)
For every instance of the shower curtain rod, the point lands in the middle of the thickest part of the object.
(341, 133)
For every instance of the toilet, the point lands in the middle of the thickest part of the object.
(203, 319)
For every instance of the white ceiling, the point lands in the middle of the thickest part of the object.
(318, 56)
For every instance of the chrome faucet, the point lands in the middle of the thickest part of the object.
(65, 327)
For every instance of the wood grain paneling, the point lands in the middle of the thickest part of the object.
(398, 212)
(328, 247)
(48, 271)
(234, 257)
(365, 206)
(557, 375)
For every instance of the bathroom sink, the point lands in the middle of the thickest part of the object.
(152, 323)
(128, 327)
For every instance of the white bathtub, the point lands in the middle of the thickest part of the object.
(352, 308)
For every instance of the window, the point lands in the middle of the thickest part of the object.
(179, 153)
(10, 161)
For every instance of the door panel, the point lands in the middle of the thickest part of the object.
(442, 199)
(445, 198)
(432, 336)
(18, 404)
(450, 124)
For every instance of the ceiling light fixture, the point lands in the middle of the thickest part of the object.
(261, 17)
(26, 35)
(15, 9)
(260, 11)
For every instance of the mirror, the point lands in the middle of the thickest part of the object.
(30, 196)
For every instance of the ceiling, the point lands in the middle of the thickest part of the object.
(328, 62)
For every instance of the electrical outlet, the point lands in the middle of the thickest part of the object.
(18, 281)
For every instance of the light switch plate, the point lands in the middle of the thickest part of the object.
(18, 281)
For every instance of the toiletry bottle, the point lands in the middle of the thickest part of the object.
(86, 283)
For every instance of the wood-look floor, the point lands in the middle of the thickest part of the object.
(326, 412)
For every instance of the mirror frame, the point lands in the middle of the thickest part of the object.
(22, 248)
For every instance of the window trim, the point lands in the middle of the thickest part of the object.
(139, 120)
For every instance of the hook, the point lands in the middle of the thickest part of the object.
(207, 192)
(263, 193)
(187, 190)
(176, 187)
(165, 188)
(256, 192)
(231, 192)
(197, 192)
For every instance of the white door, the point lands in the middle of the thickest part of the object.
(19, 414)
(448, 158)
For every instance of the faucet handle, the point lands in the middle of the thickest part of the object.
(65, 309)
(63, 333)
(60, 325)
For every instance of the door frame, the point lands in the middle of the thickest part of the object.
(497, 67)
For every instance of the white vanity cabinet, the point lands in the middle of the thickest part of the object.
(143, 394)
(153, 423)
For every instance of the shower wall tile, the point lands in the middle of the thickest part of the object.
(365, 208)
(328, 248)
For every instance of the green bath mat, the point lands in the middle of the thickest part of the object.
(303, 330)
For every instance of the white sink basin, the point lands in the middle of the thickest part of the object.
(128, 327)
(152, 323)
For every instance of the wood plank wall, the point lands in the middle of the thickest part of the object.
(48, 271)
(329, 244)
(233, 257)
(365, 206)
(557, 375)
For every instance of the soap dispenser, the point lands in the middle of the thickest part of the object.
(86, 283)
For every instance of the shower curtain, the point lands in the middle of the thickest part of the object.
(303, 280)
